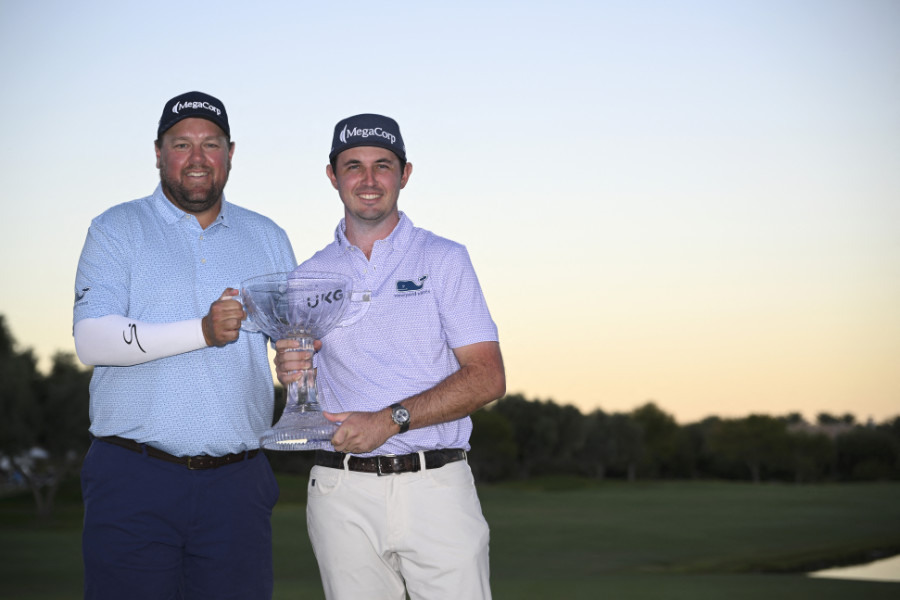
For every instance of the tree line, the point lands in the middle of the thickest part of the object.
(520, 438)
(43, 420)
(44, 435)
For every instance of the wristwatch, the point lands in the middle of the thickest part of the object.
(400, 416)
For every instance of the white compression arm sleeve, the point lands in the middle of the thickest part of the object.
(117, 341)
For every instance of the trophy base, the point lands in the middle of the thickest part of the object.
(299, 431)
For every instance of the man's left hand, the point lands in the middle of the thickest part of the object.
(361, 432)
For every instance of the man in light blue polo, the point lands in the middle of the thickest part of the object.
(394, 509)
(177, 495)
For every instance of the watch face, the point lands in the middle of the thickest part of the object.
(401, 415)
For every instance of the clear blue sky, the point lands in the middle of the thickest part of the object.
(695, 203)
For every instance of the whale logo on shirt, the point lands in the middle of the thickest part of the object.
(410, 286)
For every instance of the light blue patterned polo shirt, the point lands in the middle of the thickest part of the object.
(150, 261)
(424, 300)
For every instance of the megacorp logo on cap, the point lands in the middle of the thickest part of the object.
(367, 130)
(348, 133)
(179, 106)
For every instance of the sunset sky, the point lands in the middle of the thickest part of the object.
(695, 203)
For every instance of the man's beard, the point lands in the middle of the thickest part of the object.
(193, 200)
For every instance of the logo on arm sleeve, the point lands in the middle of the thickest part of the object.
(79, 294)
(132, 337)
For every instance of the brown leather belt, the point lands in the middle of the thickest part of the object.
(191, 462)
(389, 464)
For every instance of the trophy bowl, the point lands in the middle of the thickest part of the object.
(303, 307)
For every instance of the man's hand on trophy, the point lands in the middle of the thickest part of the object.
(223, 322)
(361, 432)
(289, 362)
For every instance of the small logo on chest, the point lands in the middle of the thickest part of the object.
(411, 286)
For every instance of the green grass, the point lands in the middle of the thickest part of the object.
(573, 539)
(685, 539)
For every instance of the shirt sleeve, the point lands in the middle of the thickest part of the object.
(465, 317)
(104, 273)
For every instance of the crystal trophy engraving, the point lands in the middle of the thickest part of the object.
(303, 307)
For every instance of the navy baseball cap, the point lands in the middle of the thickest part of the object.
(367, 130)
(193, 104)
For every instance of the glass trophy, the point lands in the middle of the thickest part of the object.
(303, 307)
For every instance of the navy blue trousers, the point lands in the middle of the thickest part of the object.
(156, 530)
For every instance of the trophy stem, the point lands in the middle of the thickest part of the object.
(302, 425)
(303, 390)
(302, 394)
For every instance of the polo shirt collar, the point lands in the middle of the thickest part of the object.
(171, 214)
(399, 238)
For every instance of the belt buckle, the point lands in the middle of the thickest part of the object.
(190, 464)
(378, 462)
